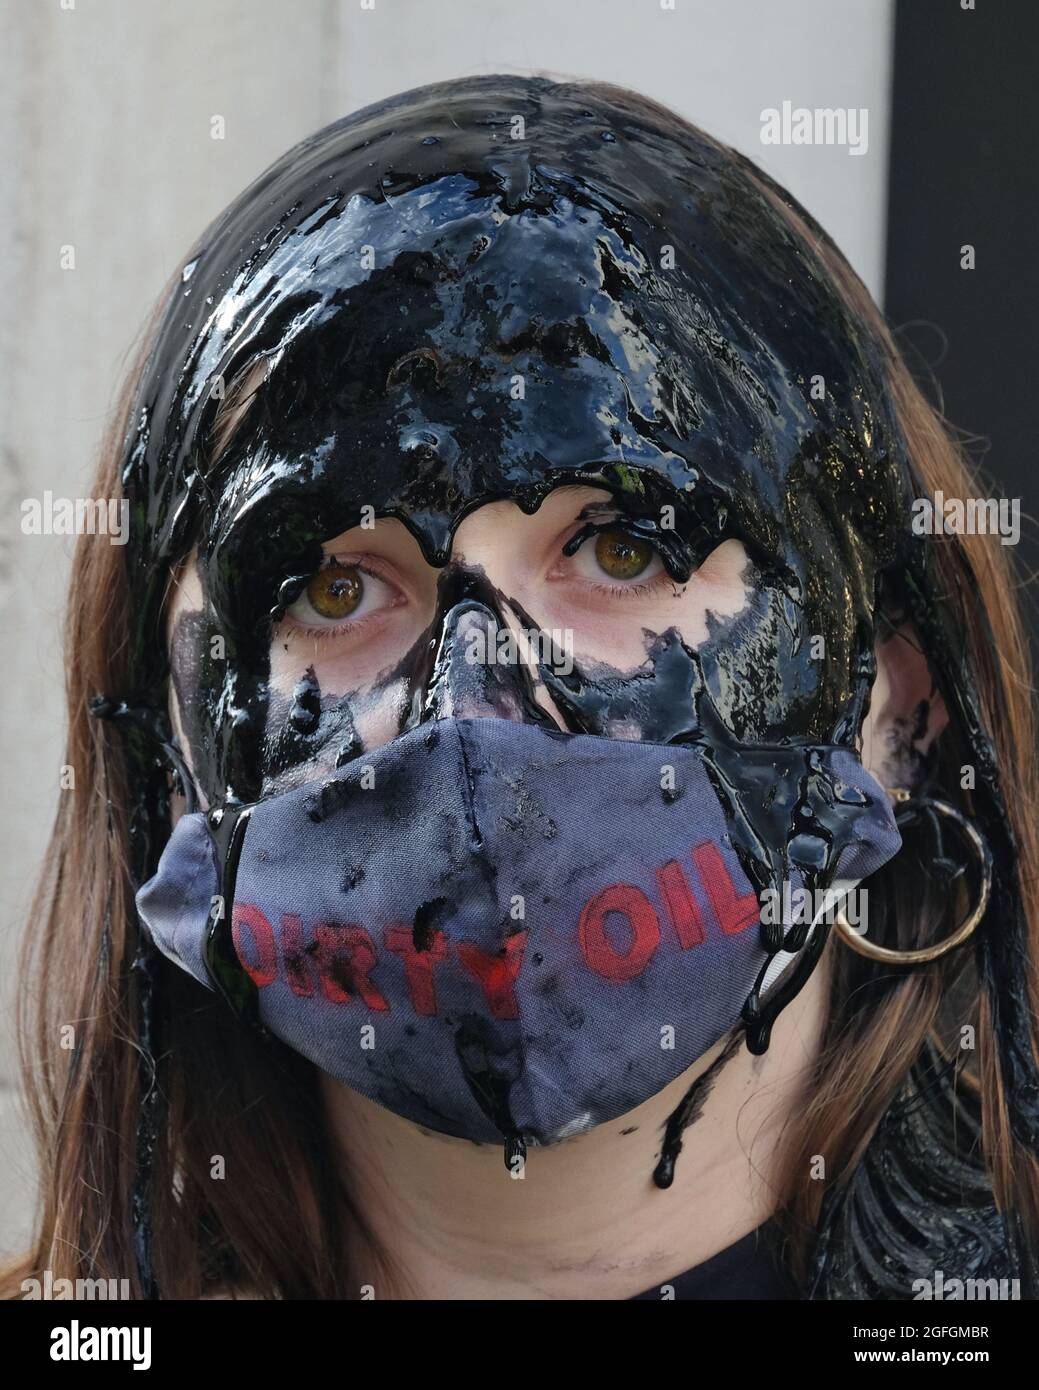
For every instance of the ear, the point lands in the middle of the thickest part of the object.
(907, 712)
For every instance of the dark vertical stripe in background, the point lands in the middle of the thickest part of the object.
(965, 168)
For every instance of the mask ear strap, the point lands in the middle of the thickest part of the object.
(150, 722)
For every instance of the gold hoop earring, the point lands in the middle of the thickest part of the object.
(910, 808)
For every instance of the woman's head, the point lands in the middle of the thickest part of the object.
(507, 356)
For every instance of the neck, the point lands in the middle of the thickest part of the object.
(446, 1219)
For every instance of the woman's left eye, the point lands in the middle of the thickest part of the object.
(340, 594)
(617, 556)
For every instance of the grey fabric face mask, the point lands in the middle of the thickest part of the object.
(503, 932)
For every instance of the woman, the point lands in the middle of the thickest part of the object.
(525, 629)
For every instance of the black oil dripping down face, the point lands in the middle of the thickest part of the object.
(454, 315)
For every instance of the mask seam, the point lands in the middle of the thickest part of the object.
(469, 789)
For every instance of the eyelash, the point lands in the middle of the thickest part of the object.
(327, 634)
(584, 534)
(632, 590)
(673, 554)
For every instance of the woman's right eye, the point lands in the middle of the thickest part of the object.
(341, 595)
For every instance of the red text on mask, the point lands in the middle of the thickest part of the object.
(619, 930)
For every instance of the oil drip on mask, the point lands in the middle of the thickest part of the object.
(503, 932)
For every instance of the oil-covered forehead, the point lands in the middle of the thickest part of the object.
(481, 289)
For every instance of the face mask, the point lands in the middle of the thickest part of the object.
(501, 932)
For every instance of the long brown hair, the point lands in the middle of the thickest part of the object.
(276, 1223)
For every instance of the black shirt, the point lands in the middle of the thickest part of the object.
(747, 1270)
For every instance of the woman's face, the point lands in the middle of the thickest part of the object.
(345, 639)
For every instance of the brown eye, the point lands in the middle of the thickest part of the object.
(621, 555)
(336, 590)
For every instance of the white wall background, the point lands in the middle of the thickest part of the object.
(105, 108)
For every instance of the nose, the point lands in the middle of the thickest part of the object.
(480, 665)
